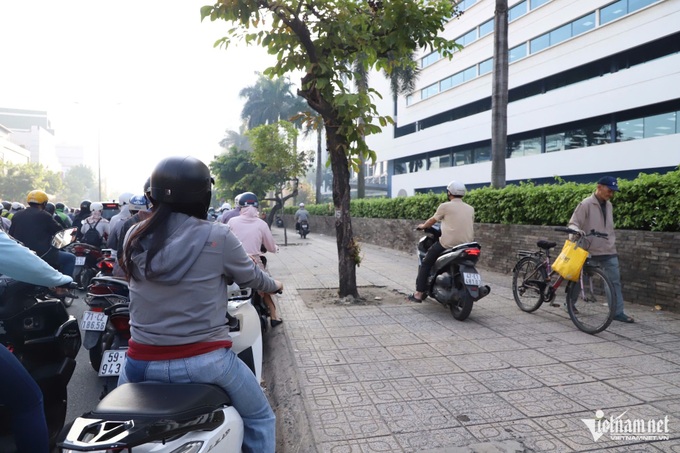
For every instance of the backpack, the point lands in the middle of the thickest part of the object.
(92, 236)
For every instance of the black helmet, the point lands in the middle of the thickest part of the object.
(6, 205)
(248, 199)
(60, 206)
(85, 205)
(49, 207)
(184, 180)
(147, 185)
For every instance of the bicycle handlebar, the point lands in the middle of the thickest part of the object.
(580, 233)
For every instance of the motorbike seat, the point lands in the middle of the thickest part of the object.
(466, 245)
(546, 245)
(152, 400)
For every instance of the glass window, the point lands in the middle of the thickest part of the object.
(410, 99)
(677, 122)
(415, 165)
(539, 43)
(462, 157)
(440, 161)
(554, 142)
(467, 38)
(560, 34)
(482, 154)
(470, 73)
(518, 10)
(457, 79)
(583, 24)
(634, 5)
(429, 91)
(517, 52)
(486, 28)
(427, 60)
(536, 3)
(657, 125)
(465, 4)
(399, 168)
(601, 135)
(630, 130)
(486, 66)
(613, 11)
(526, 147)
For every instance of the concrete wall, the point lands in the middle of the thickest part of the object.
(650, 262)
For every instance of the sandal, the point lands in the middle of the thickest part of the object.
(624, 318)
(412, 297)
(276, 322)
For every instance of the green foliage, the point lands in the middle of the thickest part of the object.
(649, 202)
(79, 184)
(18, 180)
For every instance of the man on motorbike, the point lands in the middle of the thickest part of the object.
(457, 227)
(124, 214)
(179, 265)
(97, 222)
(254, 233)
(34, 227)
(18, 391)
(83, 214)
(300, 215)
(59, 212)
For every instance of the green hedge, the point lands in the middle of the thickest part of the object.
(649, 202)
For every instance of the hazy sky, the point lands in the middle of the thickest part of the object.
(141, 74)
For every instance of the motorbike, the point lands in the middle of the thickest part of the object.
(304, 229)
(87, 258)
(454, 280)
(38, 330)
(159, 417)
(105, 264)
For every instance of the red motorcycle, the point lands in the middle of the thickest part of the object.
(87, 260)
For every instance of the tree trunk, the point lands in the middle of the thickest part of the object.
(499, 96)
(319, 175)
(347, 248)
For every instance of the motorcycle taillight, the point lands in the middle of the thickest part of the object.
(105, 265)
(472, 252)
(101, 290)
(122, 325)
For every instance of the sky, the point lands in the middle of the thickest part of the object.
(132, 80)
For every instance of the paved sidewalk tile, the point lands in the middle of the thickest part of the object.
(409, 377)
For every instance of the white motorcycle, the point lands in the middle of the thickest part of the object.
(189, 418)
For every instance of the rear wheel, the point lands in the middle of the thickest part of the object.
(96, 355)
(591, 304)
(528, 279)
(85, 277)
(461, 308)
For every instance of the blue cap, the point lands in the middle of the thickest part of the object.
(610, 182)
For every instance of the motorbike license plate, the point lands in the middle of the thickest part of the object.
(113, 362)
(80, 260)
(94, 320)
(472, 279)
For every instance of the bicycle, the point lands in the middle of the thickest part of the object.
(590, 300)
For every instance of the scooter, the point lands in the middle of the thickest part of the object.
(304, 229)
(155, 417)
(87, 258)
(38, 330)
(454, 281)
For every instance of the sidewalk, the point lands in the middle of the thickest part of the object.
(405, 377)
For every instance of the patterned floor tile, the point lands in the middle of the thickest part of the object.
(479, 362)
(440, 439)
(525, 357)
(529, 433)
(604, 369)
(381, 444)
(480, 409)
(557, 374)
(375, 371)
(412, 351)
(416, 416)
(540, 402)
(596, 395)
(394, 390)
(451, 385)
(429, 366)
(503, 380)
(363, 355)
(649, 388)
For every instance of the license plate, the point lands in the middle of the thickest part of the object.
(93, 320)
(472, 279)
(113, 362)
(80, 260)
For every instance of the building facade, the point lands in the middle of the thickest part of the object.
(594, 88)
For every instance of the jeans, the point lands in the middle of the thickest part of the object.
(610, 266)
(221, 367)
(67, 263)
(24, 400)
(424, 270)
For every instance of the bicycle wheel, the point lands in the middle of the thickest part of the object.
(528, 281)
(591, 303)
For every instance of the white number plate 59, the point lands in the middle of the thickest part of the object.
(113, 362)
(472, 279)
(93, 320)
(80, 260)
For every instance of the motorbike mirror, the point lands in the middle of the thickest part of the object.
(64, 237)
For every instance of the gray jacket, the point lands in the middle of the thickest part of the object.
(588, 216)
(186, 300)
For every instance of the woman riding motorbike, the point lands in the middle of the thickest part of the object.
(179, 266)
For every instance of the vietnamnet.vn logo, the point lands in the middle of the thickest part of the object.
(619, 428)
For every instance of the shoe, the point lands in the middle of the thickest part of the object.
(276, 322)
(624, 318)
(576, 312)
(412, 297)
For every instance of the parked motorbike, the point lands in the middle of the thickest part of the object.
(304, 228)
(38, 330)
(158, 417)
(87, 258)
(454, 281)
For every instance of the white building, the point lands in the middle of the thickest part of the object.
(31, 129)
(594, 88)
(11, 152)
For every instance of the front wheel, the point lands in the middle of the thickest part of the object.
(591, 303)
(461, 308)
(528, 280)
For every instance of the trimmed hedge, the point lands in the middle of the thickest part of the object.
(649, 202)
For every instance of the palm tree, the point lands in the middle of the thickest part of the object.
(269, 101)
(239, 140)
(499, 96)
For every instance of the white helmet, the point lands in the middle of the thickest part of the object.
(225, 207)
(96, 206)
(302, 205)
(457, 189)
(124, 198)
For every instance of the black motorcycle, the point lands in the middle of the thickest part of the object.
(304, 229)
(454, 281)
(46, 340)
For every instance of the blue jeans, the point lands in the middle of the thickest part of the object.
(67, 263)
(223, 368)
(21, 395)
(610, 266)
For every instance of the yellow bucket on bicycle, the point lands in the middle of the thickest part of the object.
(570, 261)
